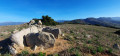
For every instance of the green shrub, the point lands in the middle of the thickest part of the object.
(71, 49)
(11, 30)
(94, 51)
(68, 38)
(78, 47)
(97, 42)
(46, 20)
(56, 55)
(32, 55)
(110, 50)
(41, 54)
(71, 31)
(77, 53)
(90, 47)
(7, 54)
(20, 28)
(89, 41)
(50, 55)
(1, 35)
(100, 49)
(24, 53)
(84, 45)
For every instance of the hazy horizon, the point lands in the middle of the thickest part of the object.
(55, 20)
(25, 10)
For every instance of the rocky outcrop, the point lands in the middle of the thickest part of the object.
(18, 37)
(33, 22)
(55, 32)
(34, 36)
(39, 22)
(40, 39)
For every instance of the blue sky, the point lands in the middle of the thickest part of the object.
(25, 10)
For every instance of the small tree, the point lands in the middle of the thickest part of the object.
(46, 20)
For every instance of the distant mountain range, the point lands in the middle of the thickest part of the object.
(11, 23)
(61, 21)
(116, 18)
(101, 21)
(113, 22)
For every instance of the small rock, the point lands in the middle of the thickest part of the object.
(31, 22)
(63, 35)
(116, 46)
(88, 36)
(77, 37)
(12, 50)
(39, 22)
(34, 48)
(42, 47)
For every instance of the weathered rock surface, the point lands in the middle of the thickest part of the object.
(55, 32)
(12, 50)
(40, 39)
(63, 35)
(39, 22)
(32, 22)
(34, 36)
(18, 37)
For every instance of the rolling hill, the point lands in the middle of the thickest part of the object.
(101, 21)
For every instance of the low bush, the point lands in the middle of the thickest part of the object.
(93, 51)
(110, 50)
(7, 54)
(24, 53)
(77, 53)
(42, 54)
(89, 41)
(100, 49)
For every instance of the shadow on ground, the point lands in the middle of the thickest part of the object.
(4, 45)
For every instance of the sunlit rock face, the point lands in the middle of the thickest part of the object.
(18, 37)
(34, 36)
(44, 39)
(55, 32)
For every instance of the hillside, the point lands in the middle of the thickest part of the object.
(78, 40)
(102, 21)
(116, 18)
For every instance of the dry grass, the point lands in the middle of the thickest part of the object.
(99, 36)
(60, 45)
